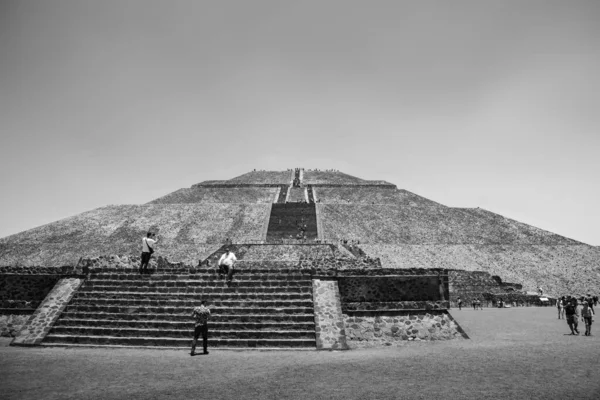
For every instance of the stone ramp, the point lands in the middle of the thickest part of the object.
(263, 308)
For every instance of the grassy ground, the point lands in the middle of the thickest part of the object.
(521, 353)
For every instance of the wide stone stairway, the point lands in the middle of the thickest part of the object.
(263, 308)
(286, 219)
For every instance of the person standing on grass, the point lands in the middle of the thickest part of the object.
(226, 263)
(590, 301)
(147, 250)
(572, 313)
(459, 300)
(200, 316)
(587, 312)
(479, 304)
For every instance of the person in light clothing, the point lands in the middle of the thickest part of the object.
(587, 312)
(226, 265)
(147, 250)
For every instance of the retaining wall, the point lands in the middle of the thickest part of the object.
(382, 330)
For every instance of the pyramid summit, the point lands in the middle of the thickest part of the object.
(303, 206)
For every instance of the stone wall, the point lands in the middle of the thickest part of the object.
(329, 323)
(39, 324)
(279, 252)
(379, 330)
(24, 291)
(38, 270)
(363, 308)
(471, 285)
(11, 324)
(390, 288)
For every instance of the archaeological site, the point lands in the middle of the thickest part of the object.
(326, 261)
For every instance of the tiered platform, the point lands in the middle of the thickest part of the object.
(263, 308)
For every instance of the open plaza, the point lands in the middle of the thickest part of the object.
(517, 353)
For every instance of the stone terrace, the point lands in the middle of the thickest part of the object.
(186, 232)
(559, 269)
(397, 224)
(371, 195)
(312, 177)
(282, 252)
(264, 177)
(246, 195)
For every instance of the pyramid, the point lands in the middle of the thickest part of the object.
(299, 206)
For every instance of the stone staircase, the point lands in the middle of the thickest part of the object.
(311, 195)
(263, 308)
(282, 193)
(285, 218)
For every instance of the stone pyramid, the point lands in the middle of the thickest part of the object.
(299, 206)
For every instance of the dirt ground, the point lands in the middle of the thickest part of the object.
(522, 353)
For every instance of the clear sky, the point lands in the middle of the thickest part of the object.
(491, 104)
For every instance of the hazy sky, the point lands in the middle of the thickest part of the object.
(491, 104)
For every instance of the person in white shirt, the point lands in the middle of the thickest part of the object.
(147, 250)
(226, 265)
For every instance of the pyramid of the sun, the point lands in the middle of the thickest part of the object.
(403, 229)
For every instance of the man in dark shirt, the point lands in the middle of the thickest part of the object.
(572, 314)
(200, 315)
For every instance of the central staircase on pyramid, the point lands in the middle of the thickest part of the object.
(263, 308)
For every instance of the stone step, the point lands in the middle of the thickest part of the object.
(184, 325)
(186, 317)
(195, 289)
(242, 267)
(218, 310)
(198, 283)
(182, 333)
(207, 277)
(216, 302)
(126, 295)
(179, 342)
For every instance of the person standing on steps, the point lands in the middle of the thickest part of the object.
(226, 265)
(200, 316)
(147, 250)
